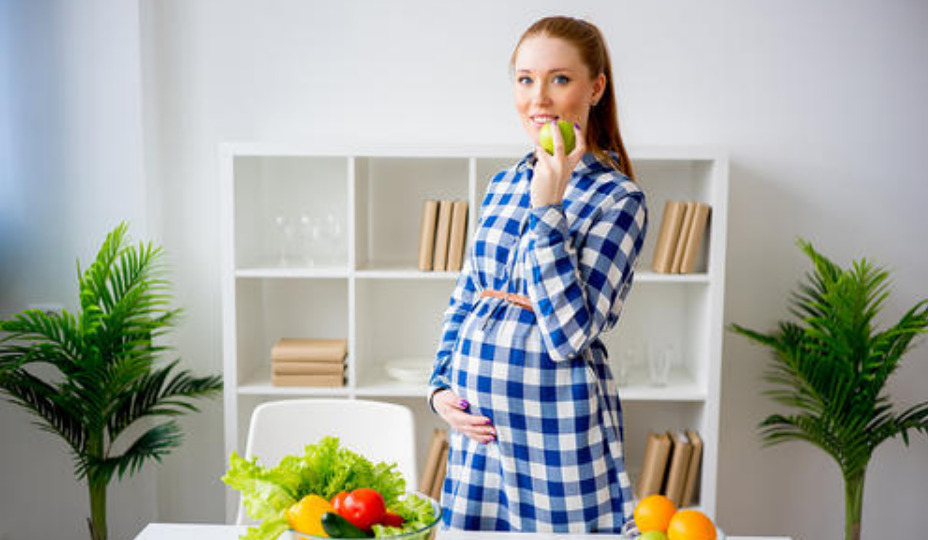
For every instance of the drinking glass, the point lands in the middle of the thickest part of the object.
(660, 358)
(285, 240)
(335, 237)
(312, 240)
(628, 355)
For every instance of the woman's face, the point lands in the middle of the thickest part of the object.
(552, 83)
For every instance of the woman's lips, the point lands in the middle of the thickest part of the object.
(542, 119)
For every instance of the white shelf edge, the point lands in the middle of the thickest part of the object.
(393, 389)
(514, 150)
(666, 394)
(391, 273)
(280, 272)
(648, 276)
(404, 274)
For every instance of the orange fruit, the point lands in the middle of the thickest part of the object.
(690, 525)
(653, 513)
(306, 515)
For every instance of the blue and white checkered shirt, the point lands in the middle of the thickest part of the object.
(542, 376)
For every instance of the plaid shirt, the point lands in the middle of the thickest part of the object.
(542, 376)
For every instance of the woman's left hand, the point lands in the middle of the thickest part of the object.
(552, 173)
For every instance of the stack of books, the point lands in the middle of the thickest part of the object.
(308, 362)
(442, 235)
(433, 472)
(680, 237)
(671, 466)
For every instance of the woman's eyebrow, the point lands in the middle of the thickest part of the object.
(555, 70)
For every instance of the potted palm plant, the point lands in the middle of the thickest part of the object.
(831, 366)
(106, 375)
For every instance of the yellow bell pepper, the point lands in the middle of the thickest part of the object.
(306, 515)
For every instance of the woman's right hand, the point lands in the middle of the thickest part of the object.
(453, 410)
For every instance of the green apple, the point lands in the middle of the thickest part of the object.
(546, 140)
(653, 535)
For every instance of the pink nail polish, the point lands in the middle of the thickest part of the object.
(488, 422)
(464, 404)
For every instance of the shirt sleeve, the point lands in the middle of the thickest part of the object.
(461, 303)
(575, 291)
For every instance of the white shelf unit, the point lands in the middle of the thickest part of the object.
(370, 292)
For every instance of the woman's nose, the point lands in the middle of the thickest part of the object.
(542, 94)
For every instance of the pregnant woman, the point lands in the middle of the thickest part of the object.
(521, 375)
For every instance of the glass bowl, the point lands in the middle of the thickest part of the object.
(421, 534)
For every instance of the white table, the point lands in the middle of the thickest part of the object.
(173, 531)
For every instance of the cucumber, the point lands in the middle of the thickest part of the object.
(336, 526)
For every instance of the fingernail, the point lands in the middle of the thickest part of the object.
(464, 404)
(488, 422)
(577, 125)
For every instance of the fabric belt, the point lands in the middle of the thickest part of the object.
(515, 299)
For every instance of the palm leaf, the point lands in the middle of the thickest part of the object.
(155, 443)
(105, 357)
(162, 393)
(830, 367)
(57, 413)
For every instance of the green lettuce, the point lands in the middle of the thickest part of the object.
(417, 513)
(325, 468)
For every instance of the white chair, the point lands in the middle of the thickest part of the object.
(378, 431)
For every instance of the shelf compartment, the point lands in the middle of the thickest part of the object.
(290, 212)
(641, 418)
(270, 309)
(396, 319)
(677, 180)
(659, 314)
(681, 386)
(388, 198)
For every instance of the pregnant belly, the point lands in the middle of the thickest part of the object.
(506, 378)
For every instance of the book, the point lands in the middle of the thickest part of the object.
(430, 468)
(694, 238)
(680, 247)
(654, 464)
(679, 462)
(308, 368)
(457, 235)
(442, 234)
(306, 349)
(427, 234)
(667, 237)
(307, 380)
(692, 472)
(440, 470)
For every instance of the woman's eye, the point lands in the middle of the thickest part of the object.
(561, 79)
(525, 80)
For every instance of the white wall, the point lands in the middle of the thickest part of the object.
(70, 170)
(819, 103)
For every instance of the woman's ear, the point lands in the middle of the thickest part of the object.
(599, 87)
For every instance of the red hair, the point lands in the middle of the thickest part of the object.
(602, 135)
